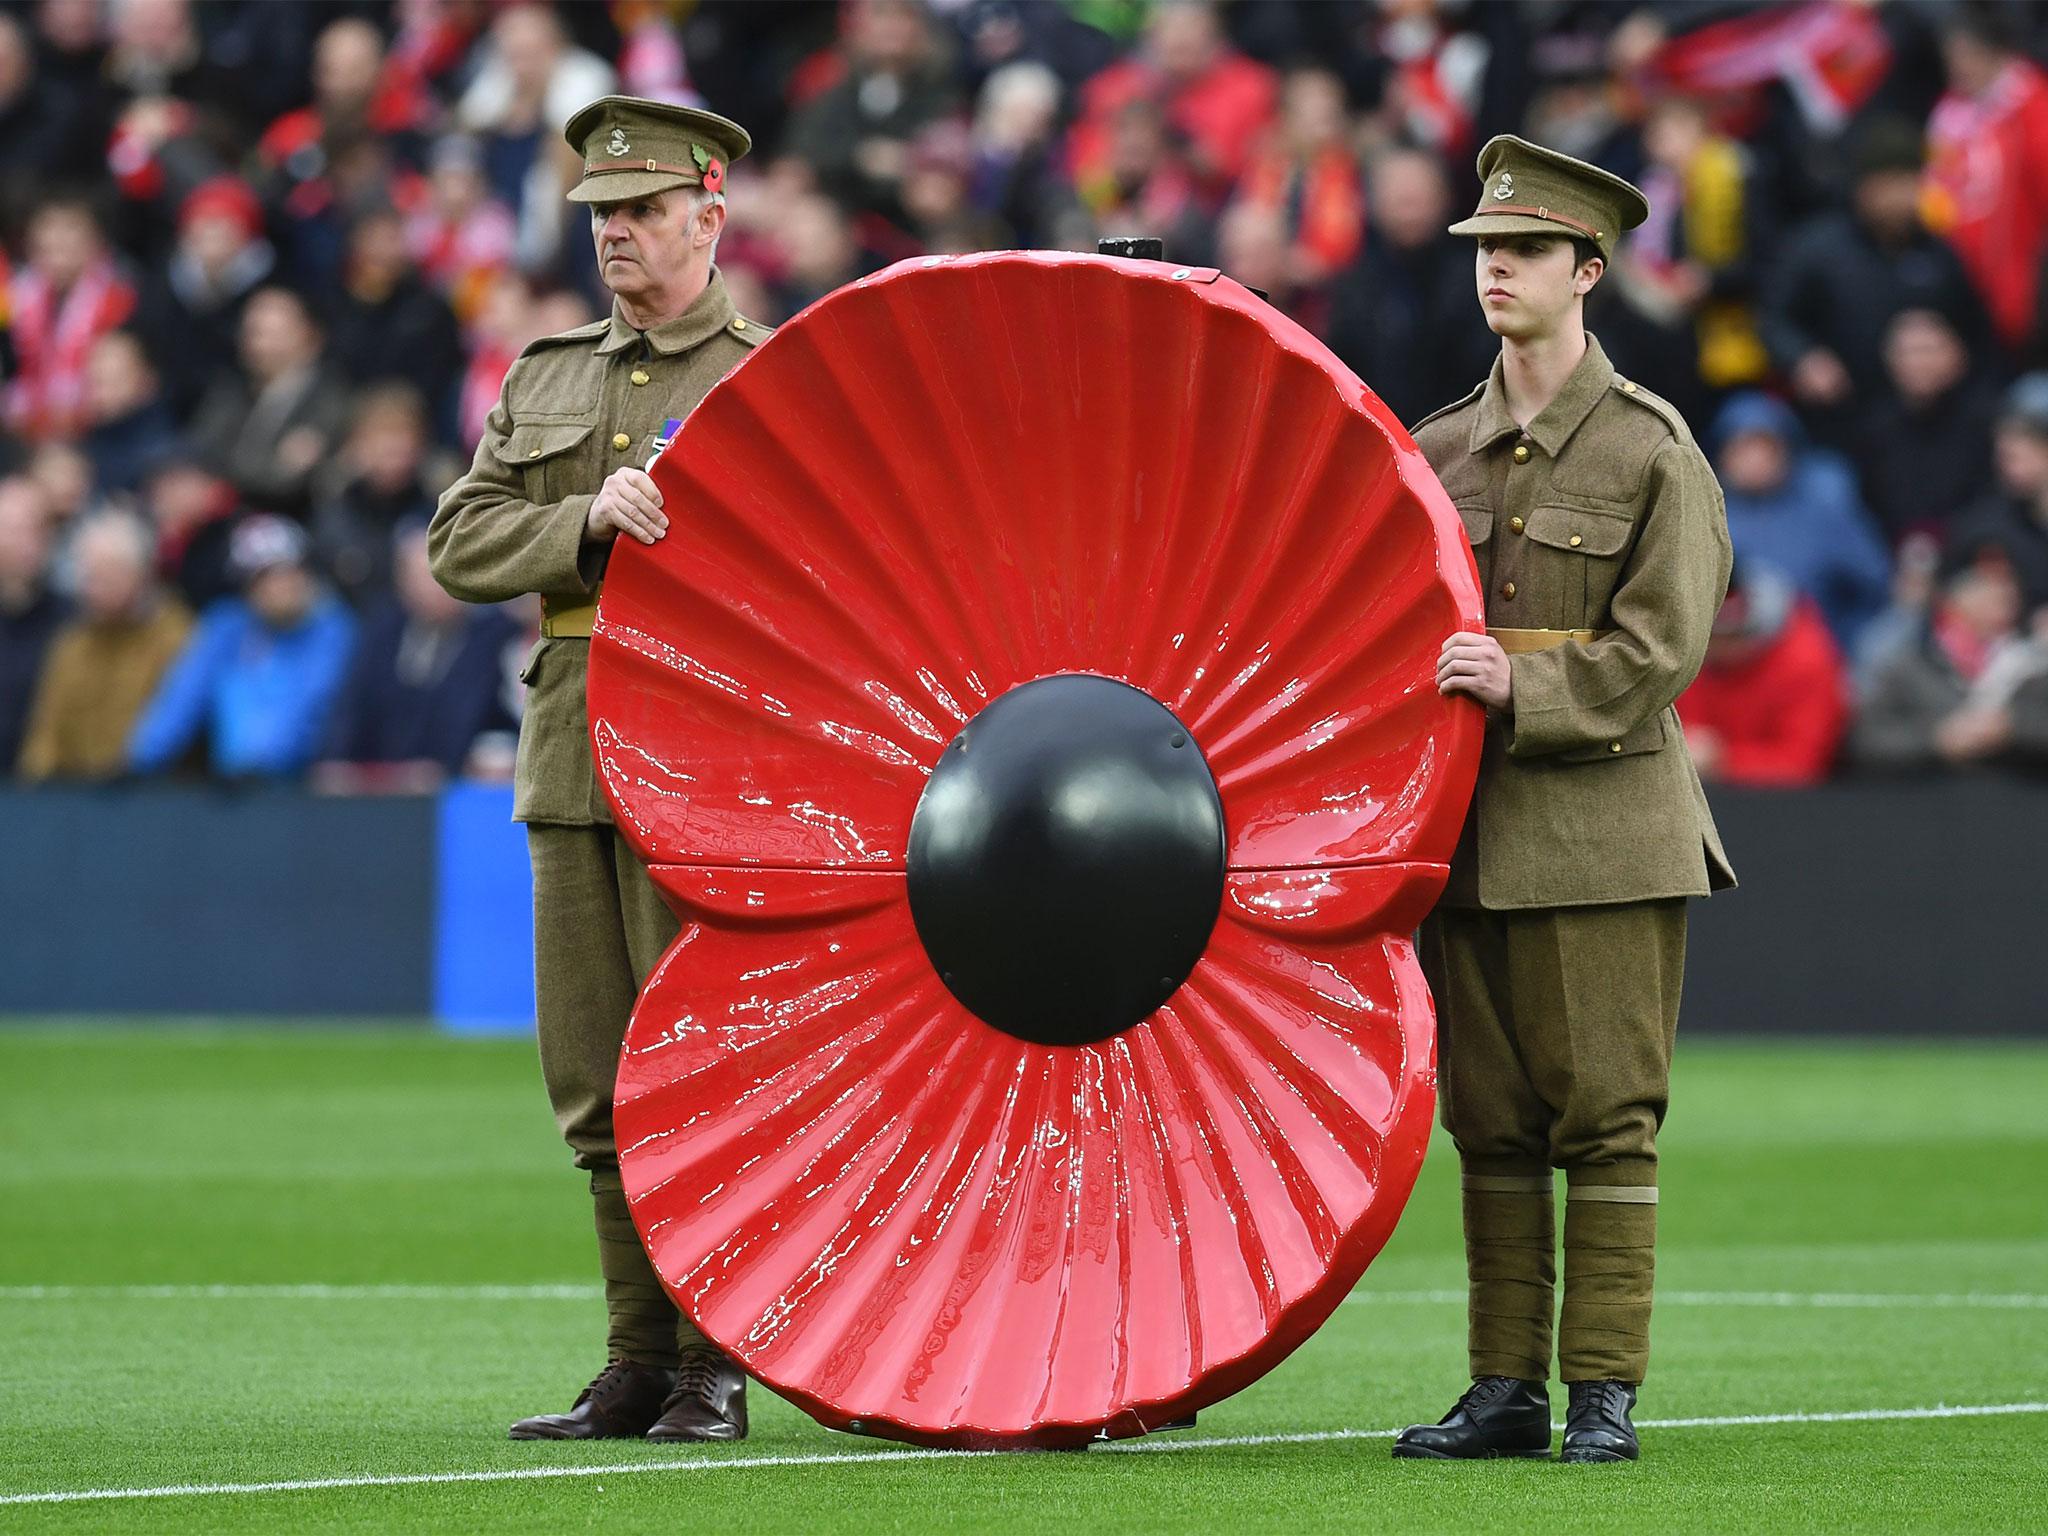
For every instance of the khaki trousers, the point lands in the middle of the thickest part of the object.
(1555, 1031)
(598, 929)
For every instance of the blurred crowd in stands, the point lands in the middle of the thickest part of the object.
(263, 267)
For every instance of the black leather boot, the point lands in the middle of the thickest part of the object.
(709, 1401)
(1499, 1416)
(1597, 1427)
(619, 1405)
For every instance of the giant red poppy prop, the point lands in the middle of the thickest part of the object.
(1031, 715)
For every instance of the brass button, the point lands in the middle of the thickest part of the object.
(1521, 453)
(1515, 523)
(533, 453)
(640, 376)
(1576, 541)
(1628, 386)
(739, 324)
(621, 442)
(1614, 746)
(1508, 590)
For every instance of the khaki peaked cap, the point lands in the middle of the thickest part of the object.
(632, 147)
(1525, 189)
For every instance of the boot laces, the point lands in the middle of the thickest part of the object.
(699, 1375)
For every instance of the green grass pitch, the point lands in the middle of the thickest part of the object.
(1846, 1229)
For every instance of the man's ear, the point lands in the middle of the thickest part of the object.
(705, 228)
(1588, 275)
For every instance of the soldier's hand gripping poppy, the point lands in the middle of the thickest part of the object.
(1031, 715)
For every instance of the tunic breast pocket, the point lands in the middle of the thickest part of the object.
(1588, 543)
(544, 450)
(1477, 517)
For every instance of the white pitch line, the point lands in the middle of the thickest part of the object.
(567, 1292)
(2002, 1302)
(859, 1458)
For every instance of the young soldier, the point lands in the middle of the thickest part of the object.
(557, 477)
(1556, 952)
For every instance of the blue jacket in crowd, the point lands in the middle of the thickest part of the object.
(262, 695)
(1813, 527)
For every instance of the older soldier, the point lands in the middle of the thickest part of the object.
(557, 478)
(1557, 949)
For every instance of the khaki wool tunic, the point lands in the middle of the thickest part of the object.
(575, 407)
(1603, 515)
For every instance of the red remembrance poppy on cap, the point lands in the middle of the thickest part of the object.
(1031, 715)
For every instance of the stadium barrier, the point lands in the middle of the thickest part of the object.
(1880, 909)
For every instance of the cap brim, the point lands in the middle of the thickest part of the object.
(623, 186)
(1513, 224)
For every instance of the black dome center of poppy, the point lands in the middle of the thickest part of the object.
(1066, 859)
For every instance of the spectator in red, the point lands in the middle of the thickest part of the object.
(1987, 171)
(194, 514)
(268, 426)
(1970, 692)
(1308, 175)
(190, 310)
(1215, 98)
(1772, 700)
(1926, 450)
(856, 134)
(297, 151)
(69, 294)
(460, 236)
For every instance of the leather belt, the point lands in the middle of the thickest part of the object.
(567, 617)
(1515, 641)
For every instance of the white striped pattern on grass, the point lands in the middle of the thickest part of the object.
(858, 1458)
(1997, 1301)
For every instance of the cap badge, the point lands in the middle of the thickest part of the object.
(616, 144)
(1505, 189)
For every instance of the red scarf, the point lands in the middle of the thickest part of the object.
(52, 337)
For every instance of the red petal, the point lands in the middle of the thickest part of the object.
(966, 473)
(893, 1214)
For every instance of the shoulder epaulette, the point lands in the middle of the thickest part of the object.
(1629, 389)
(1445, 410)
(752, 332)
(589, 332)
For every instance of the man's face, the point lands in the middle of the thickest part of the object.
(1754, 463)
(1527, 283)
(282, 595)
(112, 572)
(1888, 202)
(61, 243)
(2022, 456)
(275, 335)
(1923, 356)
(24, 532)
(647, 246)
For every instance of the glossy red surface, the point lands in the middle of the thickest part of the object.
(939, 483)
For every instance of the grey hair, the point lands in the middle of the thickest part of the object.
(128, 527)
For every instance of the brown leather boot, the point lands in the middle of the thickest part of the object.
(709, 1401)
(619, 1405)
